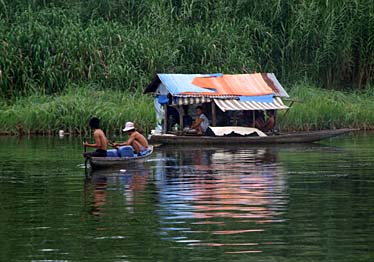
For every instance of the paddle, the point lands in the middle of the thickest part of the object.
(111, 143)
(85, 150)
(85, 140)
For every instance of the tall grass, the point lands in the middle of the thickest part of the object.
(55, 54)
(43, 114)
(71, 111)
(45, 46)
(327, 109)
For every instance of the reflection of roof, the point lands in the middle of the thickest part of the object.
(213, 85)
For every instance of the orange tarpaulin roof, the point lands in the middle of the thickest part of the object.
(238, 85)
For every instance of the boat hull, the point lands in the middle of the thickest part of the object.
(296, 137)
(114, 162)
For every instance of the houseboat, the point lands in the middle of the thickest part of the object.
(235, 106)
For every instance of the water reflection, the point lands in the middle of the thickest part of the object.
(286, 203)
(227, 201)
(129, 182)
(208, 193)
(95, 189)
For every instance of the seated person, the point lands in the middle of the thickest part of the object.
(201, 124)
(136, 140)
(263, 125)
(173, 115)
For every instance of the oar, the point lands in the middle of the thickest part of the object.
(85, 147)
(111, 142)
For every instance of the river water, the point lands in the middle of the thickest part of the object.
(311, 202)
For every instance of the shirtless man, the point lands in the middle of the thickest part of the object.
(100, 140)
(267, 125)
(136, 140)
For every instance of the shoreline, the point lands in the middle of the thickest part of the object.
(70, 111)
(55, 134)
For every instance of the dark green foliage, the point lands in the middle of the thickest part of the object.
(48, 45)
(72, 110)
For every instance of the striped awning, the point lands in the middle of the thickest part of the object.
(226, 105)
(190, 100)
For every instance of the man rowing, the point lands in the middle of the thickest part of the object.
(100, 140)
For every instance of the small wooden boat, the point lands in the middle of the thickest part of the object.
(118, 162)
(296, 137)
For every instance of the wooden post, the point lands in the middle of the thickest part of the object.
(275, 119)
(214, 116)
(165, 119)
(254, 118)
(181, 117)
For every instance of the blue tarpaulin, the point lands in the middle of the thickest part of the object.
(180, 83)
(264, 99)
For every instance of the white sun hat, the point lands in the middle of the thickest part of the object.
(129, 126)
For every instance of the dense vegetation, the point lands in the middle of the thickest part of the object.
(70, 111)
(51, 47)
(323, 109)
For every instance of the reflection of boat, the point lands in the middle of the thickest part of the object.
(99, 182)
(229, 197)
(108, 162)
(297, 137)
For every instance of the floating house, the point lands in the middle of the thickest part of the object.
(218, 93)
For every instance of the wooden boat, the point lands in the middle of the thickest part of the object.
(228, 101)
(296, 137)
(118, 162)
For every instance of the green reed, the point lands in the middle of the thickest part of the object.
(55, 54)
(46, 46)
(325, 109)
(43, 114)
(71, 111)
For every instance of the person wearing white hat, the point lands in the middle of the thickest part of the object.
(136, 140)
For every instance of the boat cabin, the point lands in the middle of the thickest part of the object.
(229, 101)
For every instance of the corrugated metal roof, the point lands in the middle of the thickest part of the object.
(275, 85)
(241, 85)
(213, 85)
(180, 83)
(226, 105)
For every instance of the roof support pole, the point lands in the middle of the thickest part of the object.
(253, 118)
(214, 114)
(166, 117)
(180, 111)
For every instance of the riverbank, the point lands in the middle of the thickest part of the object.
(71, 111)
(328, 109)
(42, 114)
